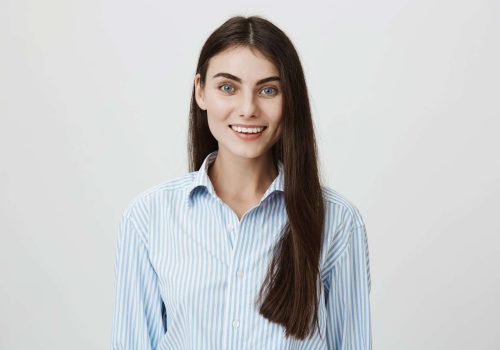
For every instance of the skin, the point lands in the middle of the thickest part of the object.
(243, 169)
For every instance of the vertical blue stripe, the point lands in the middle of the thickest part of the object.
(188, 271)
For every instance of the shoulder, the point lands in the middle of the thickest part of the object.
(148, 202)
(338, 204)
(343, 222)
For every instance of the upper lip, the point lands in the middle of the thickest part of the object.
(248, 126)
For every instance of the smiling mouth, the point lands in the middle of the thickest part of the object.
(248, 131)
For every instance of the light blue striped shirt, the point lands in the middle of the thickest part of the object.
(188, 271)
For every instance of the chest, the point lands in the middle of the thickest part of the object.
(213, 251)
(204, 274)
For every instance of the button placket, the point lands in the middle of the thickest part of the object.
(233, 296)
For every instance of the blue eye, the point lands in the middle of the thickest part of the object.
(228, 88)
(270, 89)
(225, 90)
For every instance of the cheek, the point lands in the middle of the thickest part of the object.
(279, 130)
(218, 107)
(215, 124)
(277, 115)
(275, 110)
(278, 119)
(218, 116)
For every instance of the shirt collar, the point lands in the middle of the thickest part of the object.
(201, 179)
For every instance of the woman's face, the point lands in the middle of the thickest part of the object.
(242, 88)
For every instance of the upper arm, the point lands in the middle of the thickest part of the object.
(348, 285)
(139, 320)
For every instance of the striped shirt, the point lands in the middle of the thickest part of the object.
(188, 271)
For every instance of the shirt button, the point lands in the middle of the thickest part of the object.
(229, 227)
(240, 274)
(236, 323)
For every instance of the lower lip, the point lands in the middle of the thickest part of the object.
(247, 136)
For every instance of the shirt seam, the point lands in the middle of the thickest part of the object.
(345, 249)
(138, 232)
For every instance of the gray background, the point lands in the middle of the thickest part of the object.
(94, 99)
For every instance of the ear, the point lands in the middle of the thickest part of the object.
(199, 92)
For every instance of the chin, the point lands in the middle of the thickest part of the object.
(250, 153)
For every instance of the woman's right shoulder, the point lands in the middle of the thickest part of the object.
(142, 202)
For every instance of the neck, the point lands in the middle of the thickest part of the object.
(243, 179)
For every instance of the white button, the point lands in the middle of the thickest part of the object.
(240, 274)
(236, 323)
(229, 227)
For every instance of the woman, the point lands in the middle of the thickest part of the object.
(248, 250)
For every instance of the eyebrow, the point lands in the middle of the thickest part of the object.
(233, 77)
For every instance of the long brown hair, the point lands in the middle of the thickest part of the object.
(289, 295)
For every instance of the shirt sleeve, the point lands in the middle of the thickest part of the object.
(347, 299)
(139, 320)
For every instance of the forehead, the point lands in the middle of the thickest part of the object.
(242, 62)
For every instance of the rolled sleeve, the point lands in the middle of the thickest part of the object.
(139, 320)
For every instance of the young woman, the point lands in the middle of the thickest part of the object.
(247, 250)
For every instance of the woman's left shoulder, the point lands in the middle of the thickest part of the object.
(343, 224)
(345, 211)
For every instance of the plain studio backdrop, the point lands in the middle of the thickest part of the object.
(94, 102)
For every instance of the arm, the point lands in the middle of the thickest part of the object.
(138, 320)
(347, 298)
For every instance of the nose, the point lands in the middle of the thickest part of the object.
(247, 107)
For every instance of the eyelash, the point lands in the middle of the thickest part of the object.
(267, 87)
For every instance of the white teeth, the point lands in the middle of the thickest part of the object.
(247, 130)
